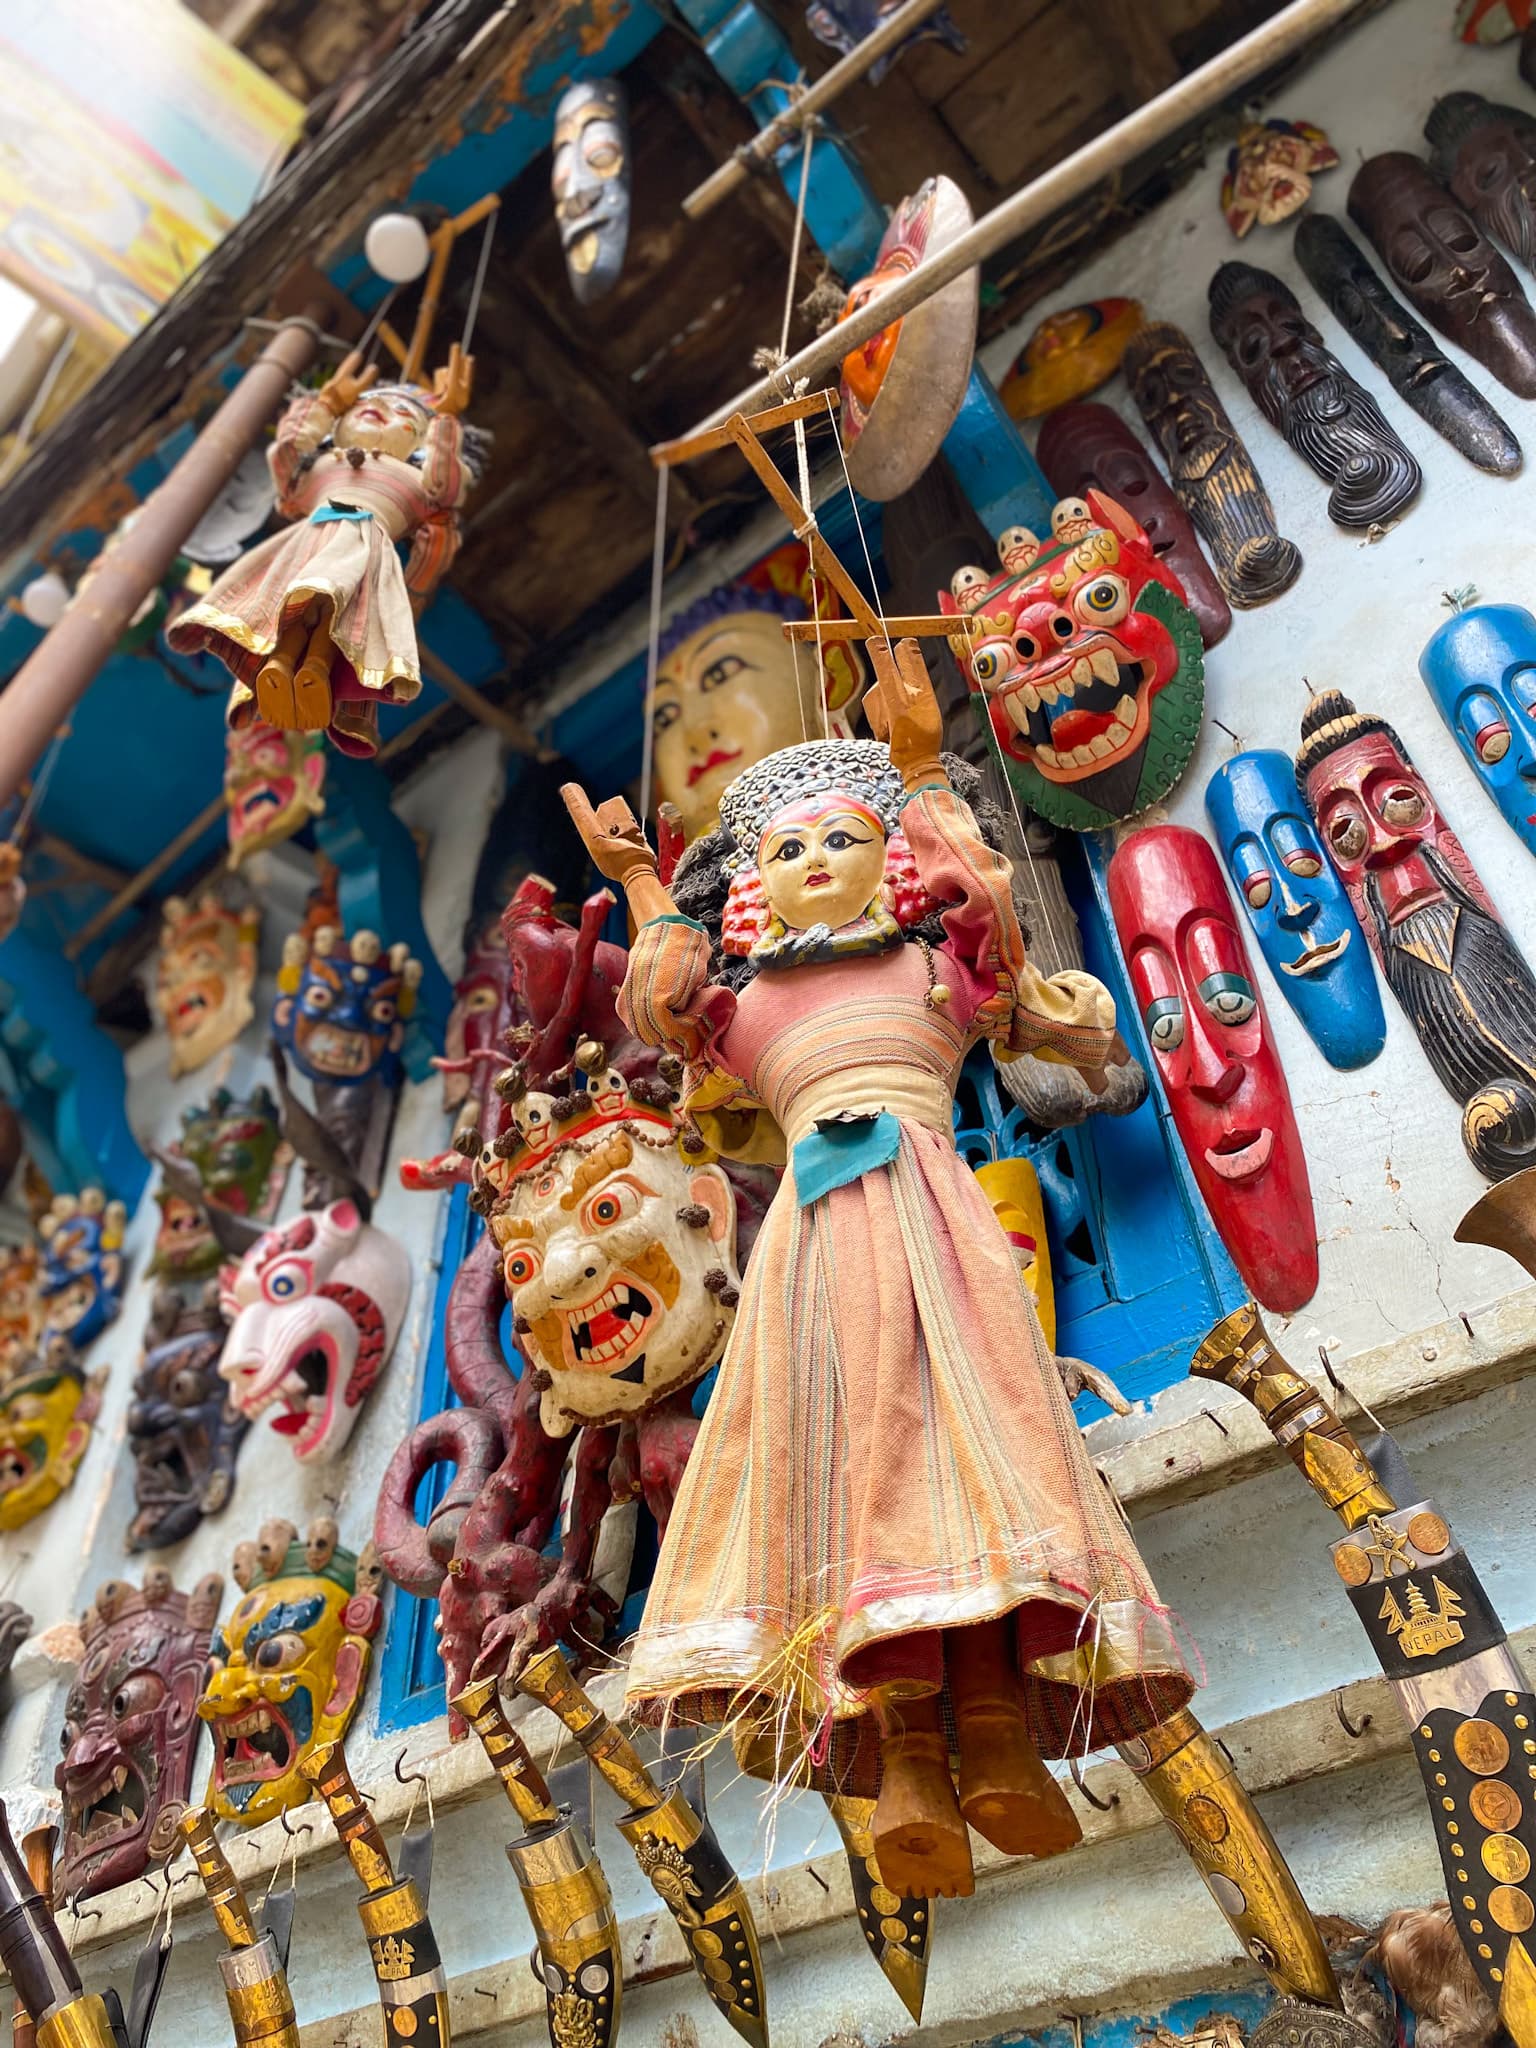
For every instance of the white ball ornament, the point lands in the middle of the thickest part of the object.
(45, 599)
(397, 248)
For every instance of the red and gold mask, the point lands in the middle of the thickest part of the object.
(273, 784)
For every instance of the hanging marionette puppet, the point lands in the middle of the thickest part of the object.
(316, 624)
(889, 1509)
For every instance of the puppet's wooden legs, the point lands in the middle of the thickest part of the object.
(1006, 1792)
(293, 689)
(274, 685)
(920, 1837)
(312, 683)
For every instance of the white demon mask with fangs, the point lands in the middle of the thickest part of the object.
(315, 1310)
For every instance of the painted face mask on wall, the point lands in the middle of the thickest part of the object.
(1270, 172)
(131, 1730)
(1480, 668)
(590, 181)
(274, 782)
(1071, 353)
(47, 1407)
(1089, 661)
(81, 1284)
(204, 978)
(184, 1433)
(286, 1670)
(1463, 983)
(1296, 905)
(237, 1151)
(1214, 1056)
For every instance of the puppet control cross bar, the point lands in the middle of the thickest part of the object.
(864, 623)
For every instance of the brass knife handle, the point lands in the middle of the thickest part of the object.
(326, 1769)
(521, 1778)
(225, 1893)
(548, 1679)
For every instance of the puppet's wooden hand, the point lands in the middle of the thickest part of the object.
(453, 383)
(616, 840)
(903, 711)
(346, 384)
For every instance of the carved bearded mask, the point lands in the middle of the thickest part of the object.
(285, 1672)
(314, 1310)
(619, 1258)
(203, 983)
(1214, 1055)
(590, 182)
(131, 1730)
(184, 1433)
(274, 782)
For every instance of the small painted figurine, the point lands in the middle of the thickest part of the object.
(286, 1669)
(1069, 355)
(1089, 447)
(730, 689)
(316, 623)
(1305, 392)
(184, 1432)
(1213, 474)
(204, 976)
(1270, 170)
(1443, 263)
(1414, 364)
(47, 1407)
(1464, 985)
(81, 1285)
(590, 181)
(822, 1552)
(21, 1304)
(843, 24)
(902, 388)
(1089, 661)
(131, 1730)
(1480, 668)
(1486, 153)
(1212, 1049)
(341, 1012)
(1296, 905)
(274, 783)
(314, 1310)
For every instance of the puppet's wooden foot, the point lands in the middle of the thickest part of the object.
(921, 1844)
(312, 684)
(275, 701)
(1006, 1792)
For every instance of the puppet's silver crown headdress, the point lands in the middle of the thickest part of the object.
(860, 767)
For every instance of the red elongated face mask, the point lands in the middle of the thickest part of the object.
(1214, 1055)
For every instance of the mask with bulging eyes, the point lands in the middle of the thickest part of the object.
(590, 181)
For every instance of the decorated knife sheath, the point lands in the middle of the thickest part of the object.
(255, 1983)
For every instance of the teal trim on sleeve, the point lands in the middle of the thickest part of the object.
(922, 789)
(674, 917)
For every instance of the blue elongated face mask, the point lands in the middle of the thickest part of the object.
(1480, 669)
(590, 181)
(1296, 905)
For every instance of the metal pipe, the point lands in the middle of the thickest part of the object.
(1054, 189)
(738, 166)
(56, 675)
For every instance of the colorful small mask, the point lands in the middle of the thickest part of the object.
(1091, 666)
(47, 1407)
(1443, 264)
(203, 982)
(314, 1312)
(1463, 983)
(184, 1433)
(1270, 170)
(342, 1013)
(131, 1730)
(1069, 355)
(237, 1148)
(1305, 392)
(1480, 668)
(1212, 1051)
(21, 1302)
(902, 388)
(82, 1265)
(286, 1669)
(730, 690)
(274, 783)
(1296, 905)
(590, 181)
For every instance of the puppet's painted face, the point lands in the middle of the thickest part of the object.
(274, 782)
(618, 1259)
(344, 1021)
(314, 1311)
(1270, 170)
(82, 1280)
(590, 181)
(46, 1412)
(822, 862)
(206, 971)
(1071, 353)
(1091, 667)
(390, 419)
(1215, 1058)
(1480, 668)
(184, 1432)
(131, 1730)
(1296, 905)
(285, 1674)
(727, 696)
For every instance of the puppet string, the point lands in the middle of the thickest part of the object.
(653, 646)
(794, 246)
(479, 285)
(39, 784)
(365, 347)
